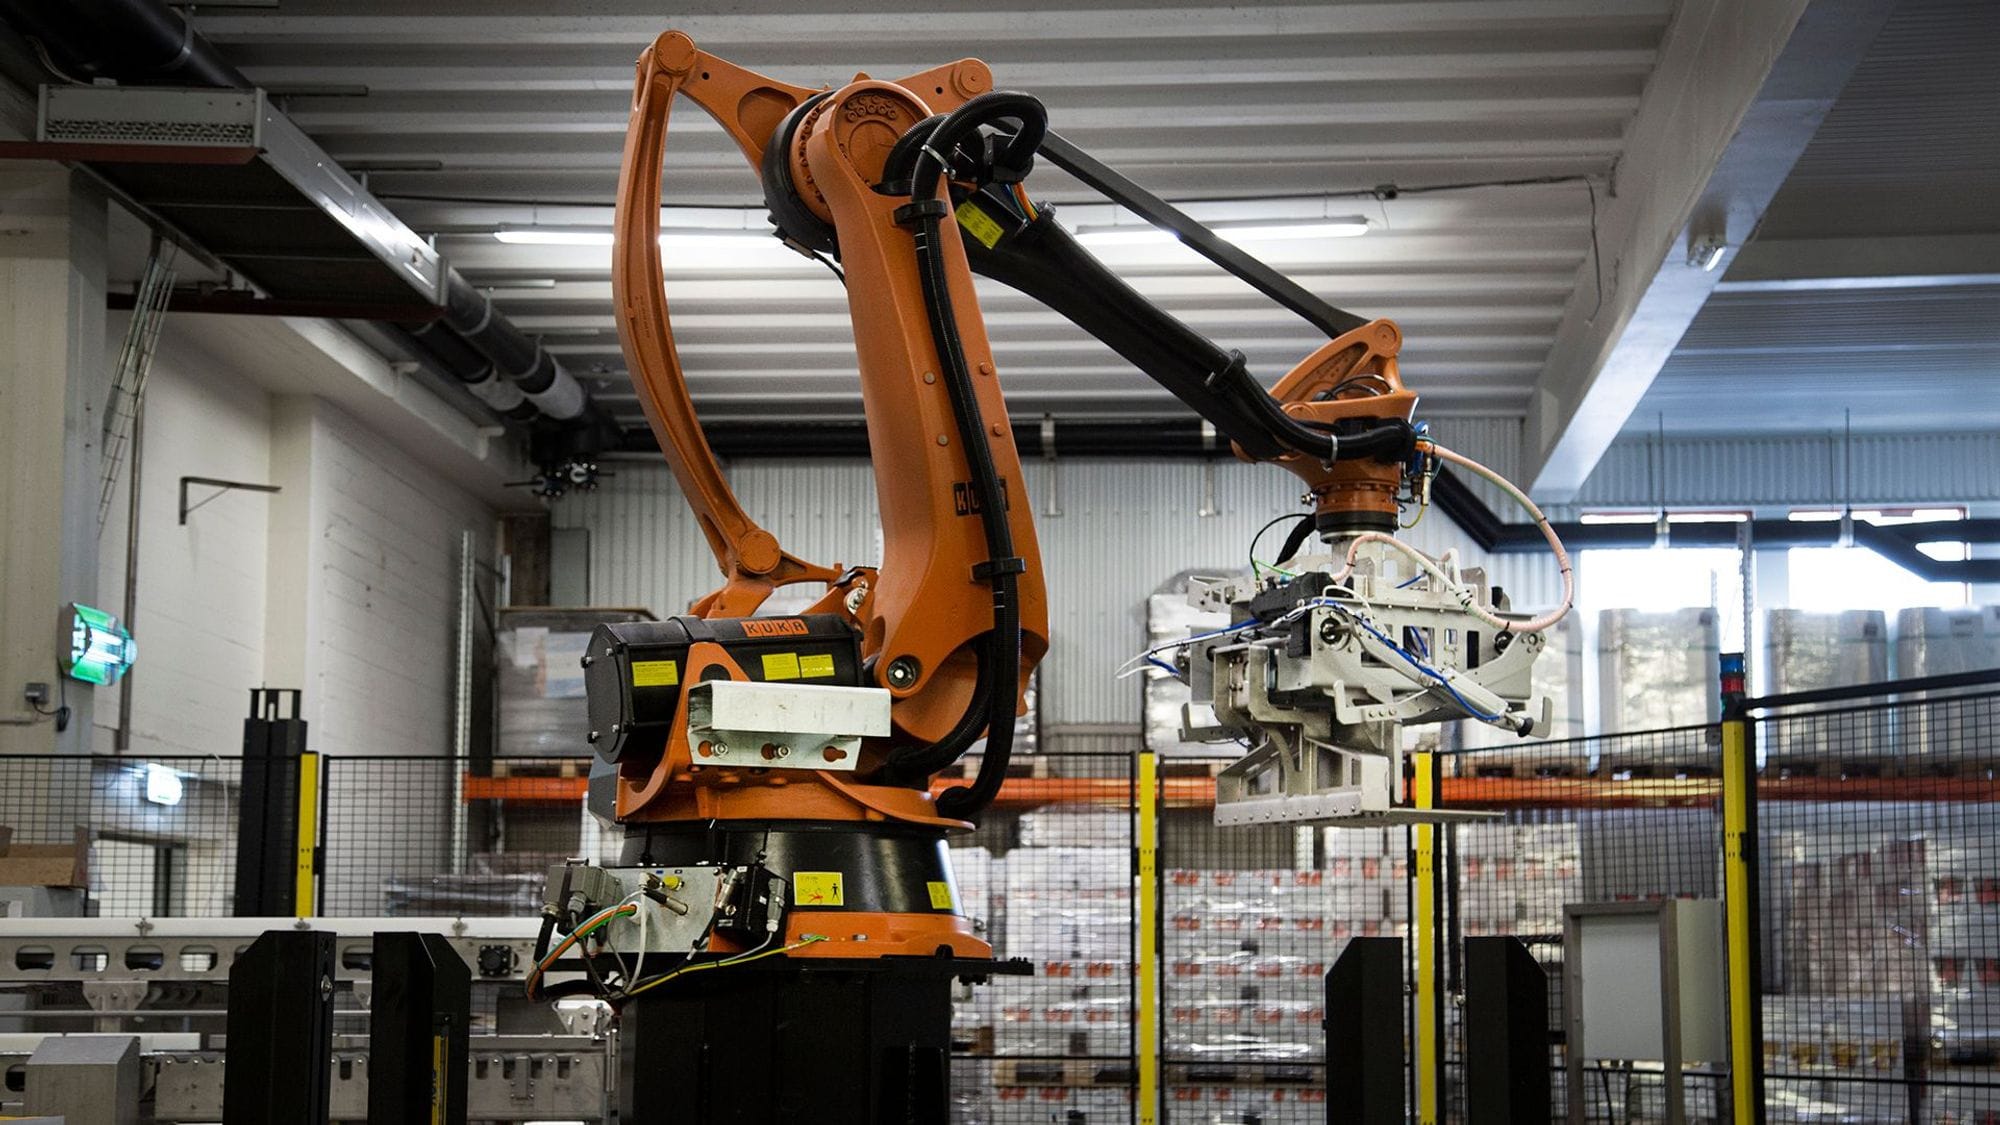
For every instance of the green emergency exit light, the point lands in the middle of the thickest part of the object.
(96, 648)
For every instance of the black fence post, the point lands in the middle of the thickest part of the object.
(267, 812)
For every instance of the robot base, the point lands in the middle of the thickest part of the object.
(825, 1042)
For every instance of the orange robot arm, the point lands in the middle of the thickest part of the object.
(925, 617)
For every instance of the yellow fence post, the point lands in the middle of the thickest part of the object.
(1423, 929)
(1739, 859)
(1147, 1031)
(305, 858)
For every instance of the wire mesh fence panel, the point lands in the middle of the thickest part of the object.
(1879, 828)
(152, 837)
(1048, 878)
(1251, 920)
(405, 837)
(1626, 818)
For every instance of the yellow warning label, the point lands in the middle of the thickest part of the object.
(940, 895)
(815, 664)
(817, 888)
(781, 665)
(979, 225)
(655, 673)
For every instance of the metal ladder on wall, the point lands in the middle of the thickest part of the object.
(128, 382)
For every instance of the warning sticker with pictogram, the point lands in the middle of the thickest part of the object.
(816, 888)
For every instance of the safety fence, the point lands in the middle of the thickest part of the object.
(1876, 864)
(1879, 832)
(1628, 818)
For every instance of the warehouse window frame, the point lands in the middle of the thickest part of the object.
(1833, 575)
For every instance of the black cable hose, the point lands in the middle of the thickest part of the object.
(914, 763)
(1001, 670)
(542, 939)
(1003, 662)
(1296, 539)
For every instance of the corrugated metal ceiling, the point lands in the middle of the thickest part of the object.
(1911, 150)
(525, 101)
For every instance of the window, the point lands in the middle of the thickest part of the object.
(1827, 579)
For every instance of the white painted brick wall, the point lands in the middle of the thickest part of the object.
(383, 676)
(200, 623)
(376, 593)
(387, 593)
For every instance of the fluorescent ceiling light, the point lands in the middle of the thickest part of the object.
(587, 236)
(553, 236)
(1324, 228)
(688, 248)
(1252, 231)
(1126, 236)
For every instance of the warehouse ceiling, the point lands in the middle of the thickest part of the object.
(1872, 289)
(479, 115)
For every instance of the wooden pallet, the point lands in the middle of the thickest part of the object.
(1244, 1074)
(1656, 770)
(1521, 768)
(974, 1041)
(1181, 767)
(1032, 765)
(571, 768)
(1063, 1072)
(1967, 1054)
(1985, 768)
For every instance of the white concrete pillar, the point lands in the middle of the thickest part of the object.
(54, 379)
(297, 551)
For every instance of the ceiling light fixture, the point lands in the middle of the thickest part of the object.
(553, 236)
(682, 249)
(1351, 226)
(1707, 252)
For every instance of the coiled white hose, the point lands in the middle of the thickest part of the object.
(1465, 593)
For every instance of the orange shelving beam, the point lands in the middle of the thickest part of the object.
(1456, 792)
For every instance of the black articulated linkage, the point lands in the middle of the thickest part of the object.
(1122, 190)
(1040, 258)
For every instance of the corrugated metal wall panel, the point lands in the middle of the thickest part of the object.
(1808, 470)
(1125, 528)
(1494, 443)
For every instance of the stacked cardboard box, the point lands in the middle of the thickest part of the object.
(1075, 828)
(1067, 904)
(1281, 1104)
(1807, 651)
(539, 653)
(1964, 885)
(1936, 642)
(1067, 910)
(1855, 920)
(1515, 878)
(1247, 951)
(1657, 670)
